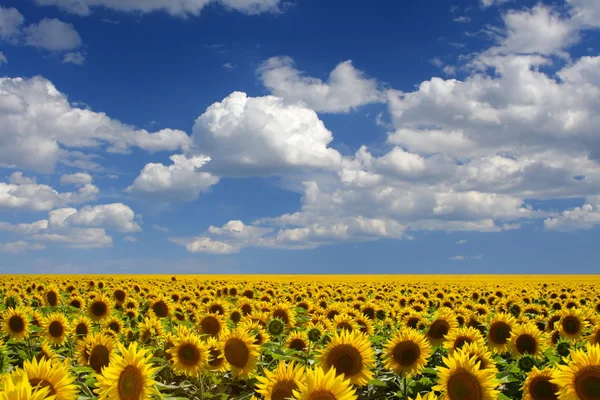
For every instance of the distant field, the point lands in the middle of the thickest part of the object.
(318, 337)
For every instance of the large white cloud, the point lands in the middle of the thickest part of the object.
(25, 194)
(38, 123)
(174, 7)
(346, 89)
(262, 135)
(181, 181)
(584, 217)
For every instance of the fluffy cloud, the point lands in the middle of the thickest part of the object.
(262, 136)
(24, 194)
(117, 216)
(78, 178)
(52, 34)
(84, 228)
(206, 245)
(539, 30)
(19, 247)
(10, 23)
(584, 217)
(346, 89)
(585, 12)
(38, 123)
(173, 7)
(180, 181)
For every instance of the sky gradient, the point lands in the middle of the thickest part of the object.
(271, 136)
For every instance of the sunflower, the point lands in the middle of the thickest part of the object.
(572, 323)
(217, 307)
(81, 326)
(15, 323)
(407, 352)
(315, 331)
(440, 327)
(19, 388)
(51, 296)
(345, 321)
(580, 378)
(112, 325)
(285, 312)
(161, 307)
(77, 302)
(240, 352)
(56, 328)
(96, 350)
(499, 331)
(99, 308)
(281, 383)
(350, 353)
(297, 340)
(129, 376)
(328, 385)
(537, 386)
(47, 353)
(55, 376)
(481, 354)
(461, 336)
(526, 338)
(260, 334)
(463, 379)
(216, 357)
(212, 325)
(189, 355)
(365, 325)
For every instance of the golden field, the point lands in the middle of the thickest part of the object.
(317, 337)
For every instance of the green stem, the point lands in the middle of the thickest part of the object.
(405, 389)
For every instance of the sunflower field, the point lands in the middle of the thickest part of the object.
(300, 337)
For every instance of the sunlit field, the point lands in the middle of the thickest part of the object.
(300, 337)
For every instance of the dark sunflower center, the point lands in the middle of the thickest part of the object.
(597, 337)
(587, 383)
(160, 309)
(461, 341)
(42, 383)
(215, 361)
(346, 359)
(81, 329)
(120, 295)
(236, 352)
(216, 309)
(114, 326)
(571, 325)
(406, 353)
(412, 322)
(99, 308)
(297, 344)
(52, 298)
(131, 383)
(540, 388)
(246, 309)
(464, 386)
(188, 354)
(99, 357)
(321, 395)
(499, 332)
(283, 389)
(75, 303)
(16, 324)
(210, 326)
(55, 329)
(526, 344)
(282, 314)
(438, 329)
(345, 325)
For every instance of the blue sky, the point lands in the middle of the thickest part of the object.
(266, 136)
